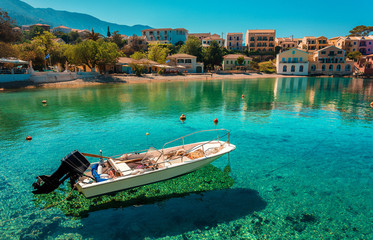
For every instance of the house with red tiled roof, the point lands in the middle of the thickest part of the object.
(206, 42)
(62, 29)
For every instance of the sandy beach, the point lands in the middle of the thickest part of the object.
(145, 78)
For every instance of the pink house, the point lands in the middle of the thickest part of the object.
(365, 65)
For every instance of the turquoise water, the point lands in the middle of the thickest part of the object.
(302, 168)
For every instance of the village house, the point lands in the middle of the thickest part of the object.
(125, 64)
(230, 62)
(186, 63)
(260, 40)
(354, 44)
(234, 41)
(165, 35)
(286, 43)
(206, 42)
(200, 36)
(62, 29)
(311, 44)
(292, 62)
(364, 65)
(330, 61)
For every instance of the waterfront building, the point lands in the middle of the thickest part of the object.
(200, 36)
(16, 29)
(286, 43)
(165, 35)
(292, 62)
(185, 62)
(311, 44)
(230, 62)
(206, 42)
(62, 29)
(138, 42)
(364, 65)
(330, 61)
(353, 44)
(234, 41)
(124, 65)
(260, 40)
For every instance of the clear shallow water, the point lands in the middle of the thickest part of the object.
(302, 168)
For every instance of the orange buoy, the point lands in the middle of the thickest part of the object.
(182, 117)
(28, 138)
(216, 120)
(371, 104)
(243, 96)
(44, 101)
(147, 134)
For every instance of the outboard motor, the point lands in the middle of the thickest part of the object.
(73, 166)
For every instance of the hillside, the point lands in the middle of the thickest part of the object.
(25, 14)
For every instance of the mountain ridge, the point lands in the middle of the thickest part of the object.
(25, 14)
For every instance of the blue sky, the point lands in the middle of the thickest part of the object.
(297, 18)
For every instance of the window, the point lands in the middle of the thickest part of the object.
(300, 59)
(283, 59)
(252, 39)
(244, 62)
(292, 68)
(313, 67)
(293, 52)
(339, 52)
(284, 69)
(348, 68)
(188, 60)
(295, 60)
(180, 61)
(230, 43)
(354, 43)
(227, 62)
(238, 38)
(259, 38)
(323, 67)
(370, 43)
(289, 59)
(230, 38)
(323, 52)
(338, 67)
(331, 67)
(301, 68)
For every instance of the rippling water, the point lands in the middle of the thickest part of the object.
(302, 168)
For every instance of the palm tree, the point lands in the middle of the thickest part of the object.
(93, 36)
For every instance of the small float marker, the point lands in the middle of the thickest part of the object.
(147, 134)
(182, 117)
(371, 104)
(243, 96)
(28, 138)
(44, 101)
(216, 120)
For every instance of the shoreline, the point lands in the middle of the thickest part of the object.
(145, 78)
(121, 79)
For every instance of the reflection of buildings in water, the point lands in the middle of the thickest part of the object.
(290, 85)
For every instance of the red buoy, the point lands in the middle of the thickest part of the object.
(28, 138)
(182, 117)
(216, 120)
(371, 104)
(243, 96)
(44, 101)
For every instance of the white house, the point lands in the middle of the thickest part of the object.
(186, 62)
(292, 62)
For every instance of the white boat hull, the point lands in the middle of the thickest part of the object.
(131, 181)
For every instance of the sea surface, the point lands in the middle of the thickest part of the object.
(303, 167)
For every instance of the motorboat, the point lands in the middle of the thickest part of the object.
(133, 169)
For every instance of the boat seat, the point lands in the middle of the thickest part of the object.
(122, 168)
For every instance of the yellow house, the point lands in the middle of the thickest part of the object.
(260, 40)
(311, 44)
(230, 62)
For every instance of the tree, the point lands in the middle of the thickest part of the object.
(117, 39)
(93, 35)
(240, 60)
(34, 32)
(361, 30)
(7, 50)
(108, 32)
(93, 53)
(192, 46)
(354, 55)
(158, 53)
(6, 28)
(138, 55)
(267, 67)
(139, 68)
(278, 49)
(213, 55)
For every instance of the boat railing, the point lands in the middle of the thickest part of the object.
(227, 133)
